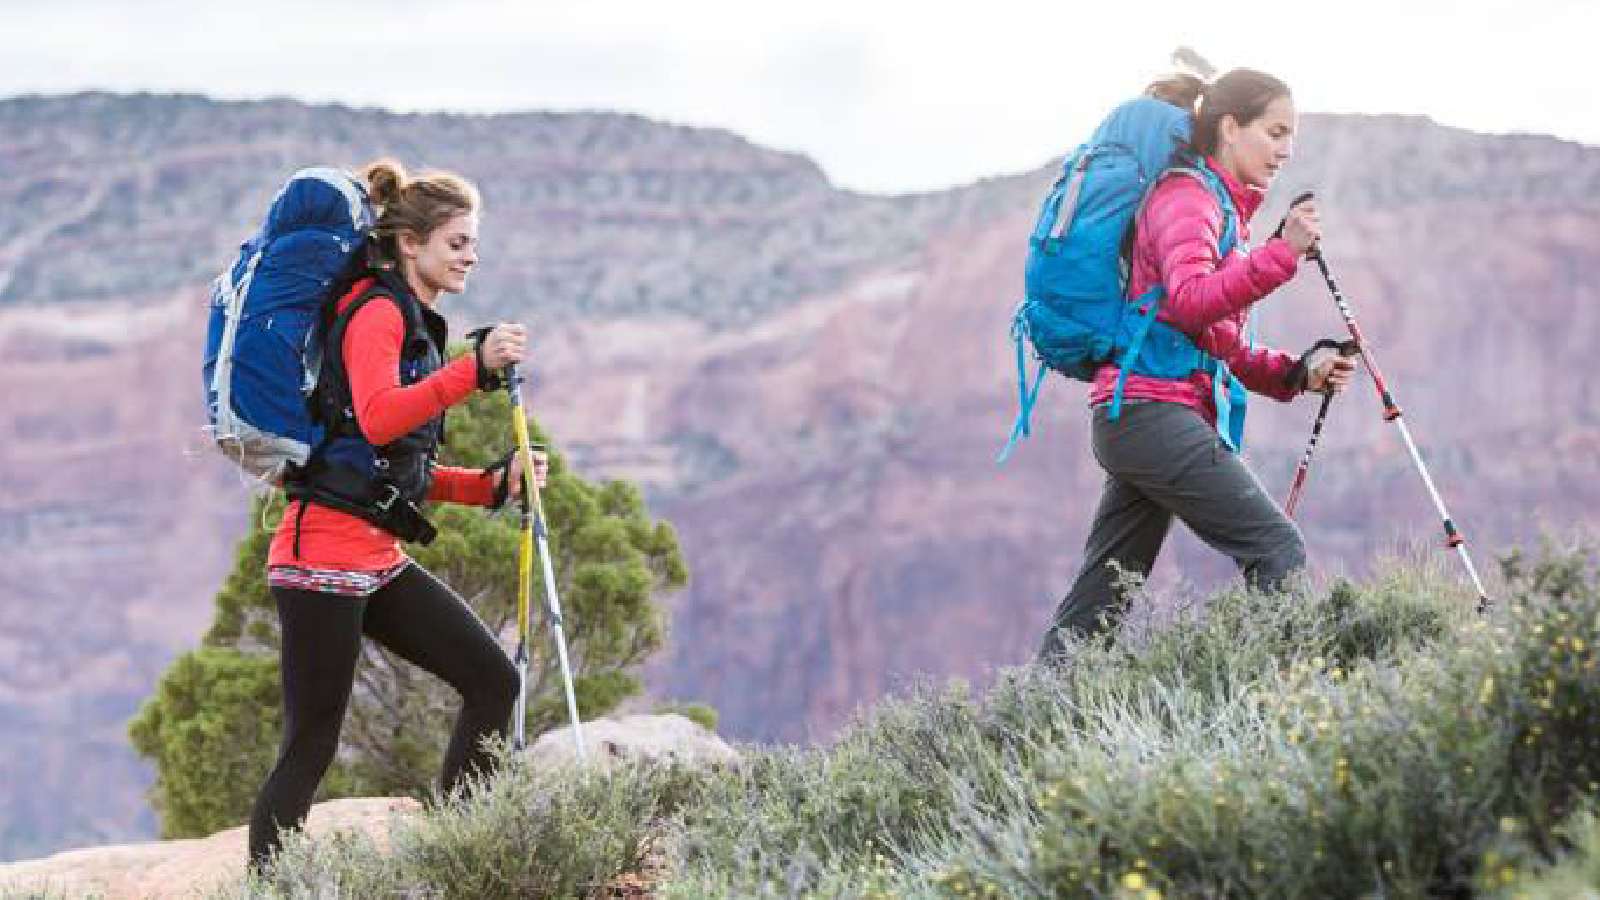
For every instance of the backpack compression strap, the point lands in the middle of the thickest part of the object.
(1028, 398)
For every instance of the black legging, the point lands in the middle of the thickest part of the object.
(416, 617)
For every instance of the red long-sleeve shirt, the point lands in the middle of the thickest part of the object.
(385, 411)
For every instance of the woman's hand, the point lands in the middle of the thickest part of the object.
(541, 471)
(1302, 228)
(1330, 374)
(1325, 368)
(504, 345)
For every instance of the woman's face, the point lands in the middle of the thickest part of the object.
(441, 263)
(1255, 152)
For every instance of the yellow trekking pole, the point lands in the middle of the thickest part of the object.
(533, 528)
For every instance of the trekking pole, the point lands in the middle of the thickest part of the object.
(1305, 461)
(533, 528)
(1347, 348)
(1391, 413)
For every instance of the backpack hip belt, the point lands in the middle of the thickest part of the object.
(378, 501)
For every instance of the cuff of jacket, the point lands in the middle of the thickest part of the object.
(1274, 384)
(466, 487)
(1265, 372)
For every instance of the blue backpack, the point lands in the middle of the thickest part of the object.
(263, 354)
(1076, 315)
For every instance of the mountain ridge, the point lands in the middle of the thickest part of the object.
(810, 383)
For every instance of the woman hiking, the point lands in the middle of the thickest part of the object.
(1163, 454)
(335, 568)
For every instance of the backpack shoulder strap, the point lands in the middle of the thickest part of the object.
(392, 286)
(331, 397)
(382, 286)
(1145, 309)
(1229, 398)
(1219, 192)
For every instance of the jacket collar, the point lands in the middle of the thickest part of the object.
(1246, 199)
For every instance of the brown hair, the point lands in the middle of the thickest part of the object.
(1243, 94)
(1181, 90)
(416, 205)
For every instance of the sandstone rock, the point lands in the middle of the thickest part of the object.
(652, 738)
(170, 870)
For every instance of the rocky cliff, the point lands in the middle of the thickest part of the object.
(811, 383)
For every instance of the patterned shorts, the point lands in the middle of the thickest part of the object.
(345, 582)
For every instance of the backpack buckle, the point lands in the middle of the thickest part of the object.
(387, 502)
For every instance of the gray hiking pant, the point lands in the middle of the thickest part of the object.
(1163, 460)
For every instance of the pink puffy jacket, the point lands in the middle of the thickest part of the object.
(1175, 244)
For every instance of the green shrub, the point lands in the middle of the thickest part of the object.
(209, 760)
(909, 776)
(1372, 740)
(1514, 868)
(559, 832)
(1386, 775)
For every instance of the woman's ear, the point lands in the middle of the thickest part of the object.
(1227, 131)
(409, 242)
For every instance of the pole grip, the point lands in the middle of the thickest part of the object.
(1304, 196)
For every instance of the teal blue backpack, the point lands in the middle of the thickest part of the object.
(1075, 315)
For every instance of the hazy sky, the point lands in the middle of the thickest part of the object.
(886, 96)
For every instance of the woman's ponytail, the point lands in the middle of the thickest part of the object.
(385, 178)
(1181, 90)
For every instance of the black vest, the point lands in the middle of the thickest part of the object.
(385, 485)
